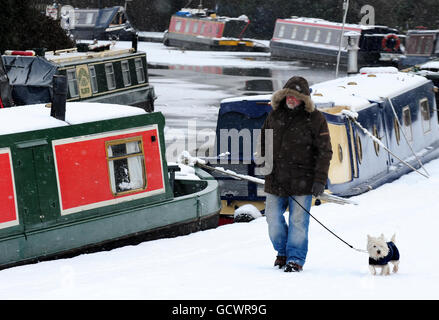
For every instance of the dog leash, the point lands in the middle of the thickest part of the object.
(349, 245)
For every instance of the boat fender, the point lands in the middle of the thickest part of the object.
(384, 43)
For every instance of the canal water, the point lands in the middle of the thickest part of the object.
(191, 84)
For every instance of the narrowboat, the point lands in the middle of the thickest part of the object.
(95, 73)
(429, 69)
(393, 131)
(202, 29)
(318, 40)
(97, 24)
(421, 45)
(93, 179)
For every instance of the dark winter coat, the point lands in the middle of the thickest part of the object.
(301, 146)
(393, 255)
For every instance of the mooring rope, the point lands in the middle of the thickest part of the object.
(382, 145)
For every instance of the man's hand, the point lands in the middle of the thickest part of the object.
(317, 189)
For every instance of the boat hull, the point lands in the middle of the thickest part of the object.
(64, 191)
(286, 51)
(199, 43)
(142, 97)
(183, 215)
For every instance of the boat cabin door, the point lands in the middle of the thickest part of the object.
(37, 195)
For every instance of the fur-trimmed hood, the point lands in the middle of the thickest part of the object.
(279, 98)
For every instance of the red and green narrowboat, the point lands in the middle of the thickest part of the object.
(202, 29)
(99, 179)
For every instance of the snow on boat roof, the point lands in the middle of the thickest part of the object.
(72, 55)
(415, 32)
(434, 64)
(330, 24)
(357, 91)
(248, 98)
(36, 117)
(371, 84)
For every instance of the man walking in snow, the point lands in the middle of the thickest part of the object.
(301, 154)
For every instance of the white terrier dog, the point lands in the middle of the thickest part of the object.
(381, 253)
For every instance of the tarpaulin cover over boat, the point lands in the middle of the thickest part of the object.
(30, 77)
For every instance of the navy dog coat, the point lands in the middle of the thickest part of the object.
(391, 256)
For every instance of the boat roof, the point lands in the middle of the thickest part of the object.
(328, 24)
(258, 97)
(371, 84)
(421, 31)
(96, 17)
(37, 117)
(207, 15)
(73, 55)
(355, 92)
(433, 64)
(61, 57)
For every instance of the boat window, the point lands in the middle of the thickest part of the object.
(195, 27)
(376, 144)
(317, 36)
(436, 50)
(93, 78)
(337, 38)
(126, 73)
(72, 83)
(104, 16)
(340, 153)
(215, 29)
(425, 112)
(428, 45)
(203, 27)
(187, 26)
(424, 45)
(294, 33)
(109, 72)
(407, 123)
(178, 25)
(281, 31)
(126, 164)
(359, 149)
(139, 70)
(86, 18)
(305, 37)
(328, 37)
(397, 130)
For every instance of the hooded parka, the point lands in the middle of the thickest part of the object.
(301, 143)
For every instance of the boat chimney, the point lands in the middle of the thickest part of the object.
(134, 41)
(58, 108)
(352, 48)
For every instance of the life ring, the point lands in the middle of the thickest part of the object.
(385, 40)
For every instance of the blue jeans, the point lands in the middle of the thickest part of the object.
(288, 240)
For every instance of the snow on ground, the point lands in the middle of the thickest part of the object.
(235, 261)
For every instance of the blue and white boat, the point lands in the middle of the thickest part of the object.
(318, 40)
(383, 124)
